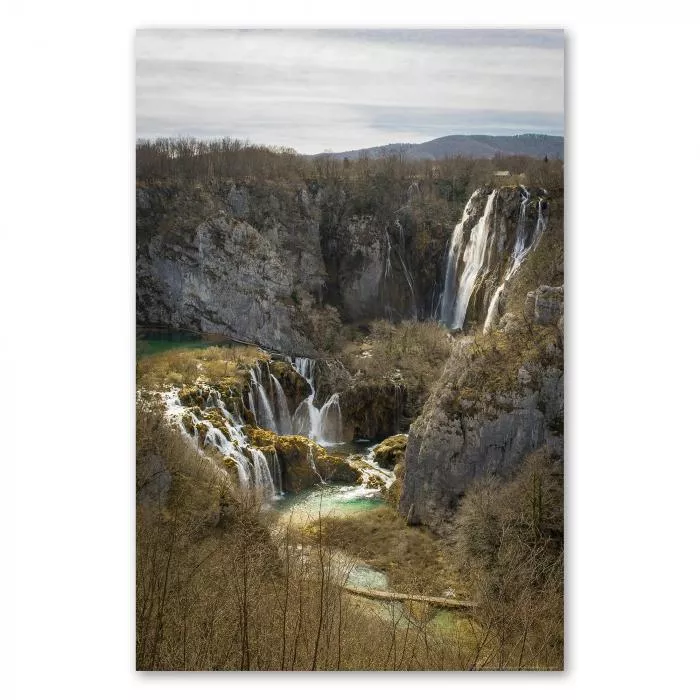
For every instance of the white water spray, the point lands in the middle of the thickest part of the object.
(473, 259)
(456, 293)
(521, 249)
(324, 425)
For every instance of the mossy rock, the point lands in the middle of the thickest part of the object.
(390, 451)
(393, 493)
(374, 482)
(259, 437)
(248, 416)
(188, 423)
(373, 408)
(202, 430)
(294, 452)
(190, 396)
(215, 417)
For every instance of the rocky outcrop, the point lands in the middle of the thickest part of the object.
(227, 277)
(303, 462)
(498, 400)
(279, 264)
(294, 386)
(372, 408)
(545, 305)
(390, 452)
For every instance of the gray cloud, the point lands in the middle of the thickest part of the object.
(342, 89)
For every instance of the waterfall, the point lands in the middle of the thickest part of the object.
(261, 471)
(330, 428)
(264, 415)
(255, 469)
(284, 420)
(324, 426)
(251, 474)
(387, 262)
(456, 294)
(276, 473)
(400, 253)
(305, 367)
(520, 251)
(312, 464)
(473, 259)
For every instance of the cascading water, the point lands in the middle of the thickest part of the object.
(252, 472)
(284, 420)
(324, 425)
(456, 293)
(331, 420)
(264, 415)
(522, 247)
(473, 259)
(213, 425)
(312, 464)
(261, 471)
(276, 470)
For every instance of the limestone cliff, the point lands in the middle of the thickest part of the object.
(280, 264)
(500, 397)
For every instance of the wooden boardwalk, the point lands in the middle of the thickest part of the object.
(393, 595)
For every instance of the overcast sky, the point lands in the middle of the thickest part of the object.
(316, 90)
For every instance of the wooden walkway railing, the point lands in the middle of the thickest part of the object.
(393, 595)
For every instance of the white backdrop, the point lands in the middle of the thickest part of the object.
(67, 344)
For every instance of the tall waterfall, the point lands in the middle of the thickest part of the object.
(457, 293)
(325, 426)
(523, 245)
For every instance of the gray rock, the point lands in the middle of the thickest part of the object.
(549, 305)
(238, 201)
(448, 449)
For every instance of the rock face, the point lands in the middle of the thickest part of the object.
(223, 275)
(278, 264)
(549, 305)
(372, 409)
(303, 462)
(483, 418)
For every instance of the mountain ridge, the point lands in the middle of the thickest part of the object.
(470, 145)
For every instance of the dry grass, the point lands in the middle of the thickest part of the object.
(418, 350)
(508, 540)
(412, 557)
(185, 366)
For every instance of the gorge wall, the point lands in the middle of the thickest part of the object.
(281, 264)
(284, 265)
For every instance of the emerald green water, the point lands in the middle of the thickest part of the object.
(326, 500)
(150, 341)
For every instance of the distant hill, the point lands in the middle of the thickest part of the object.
(475, 145)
